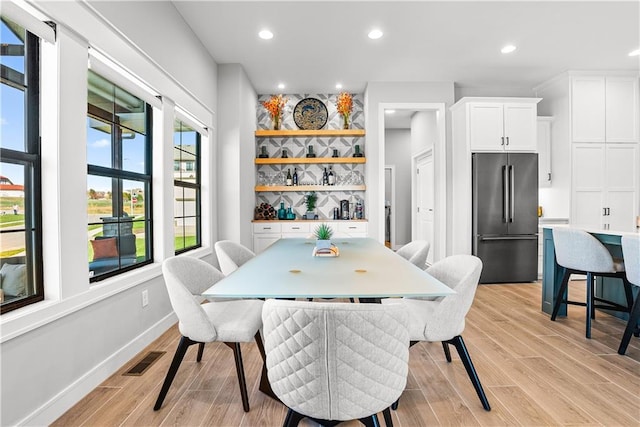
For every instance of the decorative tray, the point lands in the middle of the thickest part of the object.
(331, 252)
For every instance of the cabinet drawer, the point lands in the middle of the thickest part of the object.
(352, 227)
(294, 227)
(263, 227)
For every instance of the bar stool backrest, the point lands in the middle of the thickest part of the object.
(579, 250)
(631, 254)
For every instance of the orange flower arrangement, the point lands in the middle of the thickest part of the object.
(344, 106)
(275, 106)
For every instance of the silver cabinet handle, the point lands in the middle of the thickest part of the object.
(507, 140)
(266, 228)
(502, 138)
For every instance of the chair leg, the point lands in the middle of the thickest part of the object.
(292, 419)
(631, 326)
(260, 345)
(371, 421)
(458, 342)
(200, 351)
(590, 308)
(560, 297)
(352, 301)
(387, 417)
(628, 292)
(183, 345)
(395, 404)
(237, 355)
(447, 353)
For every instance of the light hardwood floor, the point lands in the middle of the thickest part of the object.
(535, 372)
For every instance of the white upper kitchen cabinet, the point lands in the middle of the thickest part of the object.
(604, 109)
(544, 151)
(604, 186)
(499, 125)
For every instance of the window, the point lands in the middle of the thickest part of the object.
(20, 209)
(186, 184)
(119, 179)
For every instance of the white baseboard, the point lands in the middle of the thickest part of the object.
(63, 401)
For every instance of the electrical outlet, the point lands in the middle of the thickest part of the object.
(145, 298)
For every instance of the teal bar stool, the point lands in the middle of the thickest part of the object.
(578, 252)
(631, 253)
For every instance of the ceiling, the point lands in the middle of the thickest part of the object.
(320, 43)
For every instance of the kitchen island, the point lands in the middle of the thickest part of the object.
(608, 288)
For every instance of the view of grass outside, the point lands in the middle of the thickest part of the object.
(13, 244)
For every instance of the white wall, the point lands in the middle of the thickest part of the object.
(378, 93)
(424, 131)
(236, 152)
(56, 351)
(398, 154)
(512, 91)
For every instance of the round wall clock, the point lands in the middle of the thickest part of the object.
(310, 113)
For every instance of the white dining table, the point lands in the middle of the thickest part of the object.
(364, 269)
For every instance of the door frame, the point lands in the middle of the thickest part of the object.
(439, 162)
(392, 220)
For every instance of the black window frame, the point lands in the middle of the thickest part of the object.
(30, 158)
(197, 187)
(118, 175)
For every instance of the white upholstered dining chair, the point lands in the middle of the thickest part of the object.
(443, 319)
(631, 254)
(334, 362)
(230, 322)
(232, 255)
(416, 252)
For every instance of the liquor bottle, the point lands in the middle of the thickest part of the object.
(295, 176)
(289, 179)
(332, 178)
(325, 177)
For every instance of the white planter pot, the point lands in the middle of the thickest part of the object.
(323, 244)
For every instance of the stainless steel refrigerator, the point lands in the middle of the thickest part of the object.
(505, 216)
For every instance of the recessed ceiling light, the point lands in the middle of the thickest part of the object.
(338, 85)
(634, 52)
(389, 111)
(265, 35)
(508, 48)
(375, 34)
(281, 86)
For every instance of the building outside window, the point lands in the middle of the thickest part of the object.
(186, 182)
(20, 195)
(119, 179)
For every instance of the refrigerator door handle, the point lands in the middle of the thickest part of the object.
(514, 237)
(505, 195)
(512, 186)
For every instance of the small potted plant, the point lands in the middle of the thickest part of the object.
(310, 201)
(323, 235)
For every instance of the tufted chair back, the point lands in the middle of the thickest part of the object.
(232, 255)
(416, 252)
(336, 361)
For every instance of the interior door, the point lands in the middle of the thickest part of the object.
(425, 201)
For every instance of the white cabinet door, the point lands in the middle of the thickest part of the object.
(486, 131)
(622, 111)
(263, 241)
(588, 185)
(520, 127)
(544, 151)
(621, 186)
(588, 109)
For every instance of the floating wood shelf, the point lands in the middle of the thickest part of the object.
(278, 188)
(303, 132)
(310, 160)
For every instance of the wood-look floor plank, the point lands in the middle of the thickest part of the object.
(534, 371)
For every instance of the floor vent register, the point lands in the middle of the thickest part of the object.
(146, 362)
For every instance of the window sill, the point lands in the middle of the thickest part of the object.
(31, 317)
